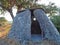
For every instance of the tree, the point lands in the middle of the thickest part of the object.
(51, 9)
(6, 5)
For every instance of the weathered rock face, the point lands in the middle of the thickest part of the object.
(21, 28)
(49, 30)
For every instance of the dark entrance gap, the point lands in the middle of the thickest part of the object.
(35, 27)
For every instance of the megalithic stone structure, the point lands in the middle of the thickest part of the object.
(49, 30)
(21, 26)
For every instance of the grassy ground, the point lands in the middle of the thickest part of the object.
(6, 41)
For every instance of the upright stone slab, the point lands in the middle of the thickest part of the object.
(21, 26)
(49, 30)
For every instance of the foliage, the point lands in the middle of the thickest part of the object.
(56, 21)
(3, 21)
(59, 10)
(7, 5)
(4, 27)
(50, 9)
(10, 3)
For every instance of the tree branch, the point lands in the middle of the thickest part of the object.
(9, 10)
(3, 7)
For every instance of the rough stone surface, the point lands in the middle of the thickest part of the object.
(49, 30)
(21, 27)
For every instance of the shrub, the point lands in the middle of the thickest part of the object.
(56, 21)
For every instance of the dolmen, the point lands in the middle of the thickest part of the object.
(33, 24)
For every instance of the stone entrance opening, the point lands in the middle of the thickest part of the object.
(35, 27)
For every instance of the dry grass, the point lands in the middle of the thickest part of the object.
(4, 30)
(6, 41)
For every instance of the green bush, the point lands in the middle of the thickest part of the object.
(3, 21)
(56, 21)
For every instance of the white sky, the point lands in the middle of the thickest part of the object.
(57, 3)
(7, 15)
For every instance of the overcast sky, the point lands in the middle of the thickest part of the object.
(46, 2)
(57, 2)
